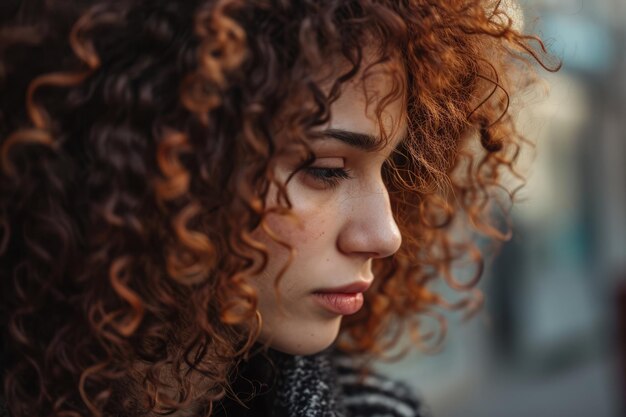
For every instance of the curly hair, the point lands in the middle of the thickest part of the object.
(136, 148)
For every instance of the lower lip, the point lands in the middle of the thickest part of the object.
(340, 303)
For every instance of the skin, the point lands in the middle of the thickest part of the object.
(342, 223)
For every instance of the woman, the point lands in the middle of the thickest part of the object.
(217, 207)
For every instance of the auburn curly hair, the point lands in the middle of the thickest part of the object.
(136, 146)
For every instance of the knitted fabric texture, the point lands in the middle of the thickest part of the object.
(306, 387)
(329, 385)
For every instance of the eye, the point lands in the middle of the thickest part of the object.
(329, 177)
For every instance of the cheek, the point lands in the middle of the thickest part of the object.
(309, 229)
(312, 218)
(313, 247)
(299, 230)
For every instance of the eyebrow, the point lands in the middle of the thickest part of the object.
(363, 141)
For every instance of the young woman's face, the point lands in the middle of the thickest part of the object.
(343, 222)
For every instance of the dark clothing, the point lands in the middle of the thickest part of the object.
(321, 385)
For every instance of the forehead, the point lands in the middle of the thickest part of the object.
(373, 102)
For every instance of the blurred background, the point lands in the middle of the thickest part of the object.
(551, 340)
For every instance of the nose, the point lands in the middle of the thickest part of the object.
(370, 229)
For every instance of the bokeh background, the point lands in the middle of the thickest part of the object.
(551, 339)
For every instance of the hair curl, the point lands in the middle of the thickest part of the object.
(136, 148)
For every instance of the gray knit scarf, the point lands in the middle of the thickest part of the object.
(307, 387)
(324, 385)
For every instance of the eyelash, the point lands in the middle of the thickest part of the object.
(329, 176)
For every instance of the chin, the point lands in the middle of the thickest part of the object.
(303, 338)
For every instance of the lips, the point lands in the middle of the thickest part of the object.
(344, 300)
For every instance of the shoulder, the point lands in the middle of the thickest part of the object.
(374, 394)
